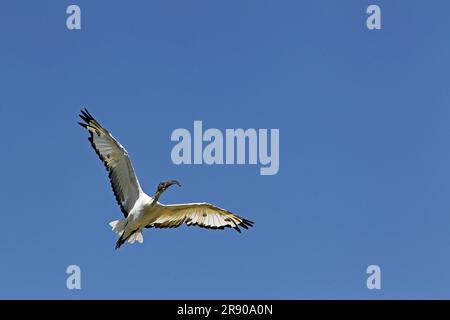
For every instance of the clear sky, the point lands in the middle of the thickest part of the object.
(364, 119)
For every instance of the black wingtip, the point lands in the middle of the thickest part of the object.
(246, 224)
(86, 115)
(83, 118)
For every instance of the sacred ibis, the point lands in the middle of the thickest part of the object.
(141, 210)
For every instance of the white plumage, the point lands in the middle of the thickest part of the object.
(140, 210)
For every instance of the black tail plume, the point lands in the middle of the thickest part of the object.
(120, 242)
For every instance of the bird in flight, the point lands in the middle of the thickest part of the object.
(144, 211)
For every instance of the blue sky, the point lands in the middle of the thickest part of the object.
(364, 147)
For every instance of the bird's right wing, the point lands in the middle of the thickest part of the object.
(201, 214)
(123, 180)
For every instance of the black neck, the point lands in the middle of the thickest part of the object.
(156, 196)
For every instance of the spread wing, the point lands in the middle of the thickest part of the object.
(123, 180)
(200, 214)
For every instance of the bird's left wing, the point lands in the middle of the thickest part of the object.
(200, 214)
(123, 180)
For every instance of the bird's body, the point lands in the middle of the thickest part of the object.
(141, 210)
(143, 213)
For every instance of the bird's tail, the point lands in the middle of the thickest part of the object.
(136, 236)
(118, 226)
(120, 242)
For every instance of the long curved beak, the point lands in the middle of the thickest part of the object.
(172, 182)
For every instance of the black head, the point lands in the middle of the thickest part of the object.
(164, 185)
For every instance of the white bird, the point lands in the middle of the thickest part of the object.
(140, 210)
